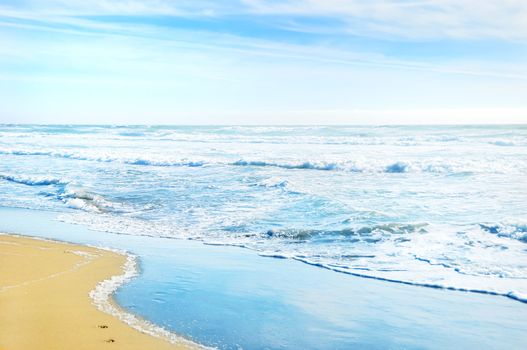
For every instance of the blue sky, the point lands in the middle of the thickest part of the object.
(263, 62)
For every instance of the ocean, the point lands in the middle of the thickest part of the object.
(273, 237)
(436, 206)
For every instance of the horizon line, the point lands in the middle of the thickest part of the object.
(283, 125)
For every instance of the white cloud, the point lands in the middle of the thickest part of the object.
(505, 19)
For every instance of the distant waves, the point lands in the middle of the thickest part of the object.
(359, 165)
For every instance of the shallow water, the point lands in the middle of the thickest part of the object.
(436, 206)
(231, 298)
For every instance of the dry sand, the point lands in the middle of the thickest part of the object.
(45, 303)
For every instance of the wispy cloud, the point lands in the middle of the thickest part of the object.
(165, 42)
(96, 7)
(503, 19)
(467, 19)
(239, 57)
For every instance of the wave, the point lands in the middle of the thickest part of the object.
(104, 159)
(284, 135)
(516, 231)
(33, 181)
(380, 166)
(409, 254)
(370, 234)
(162, 163)
(515, 295)
(302, 165)
(74, 196)
(78, 197)
(272, 183)
(435, 166)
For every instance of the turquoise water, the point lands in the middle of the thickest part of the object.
(231, 298)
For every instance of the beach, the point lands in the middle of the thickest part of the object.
(263, 175)
(45, 302)
(229, 298)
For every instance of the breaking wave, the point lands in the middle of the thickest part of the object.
(33, 181)
(371, 234)
(358, 165)
(432, 166)
(104, 158)
(516, 231)
(80, 198)
(73, 195)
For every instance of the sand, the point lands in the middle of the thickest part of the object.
(45, 303)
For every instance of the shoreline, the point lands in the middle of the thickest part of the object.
(47, 284)
(227, 295)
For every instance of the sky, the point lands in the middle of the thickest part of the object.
(263, 61)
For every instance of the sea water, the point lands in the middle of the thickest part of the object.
(437, 206)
